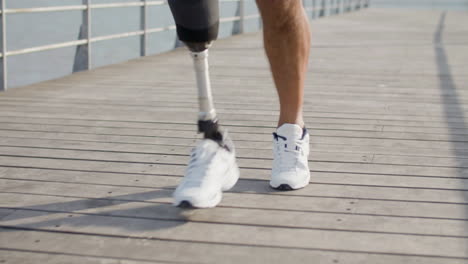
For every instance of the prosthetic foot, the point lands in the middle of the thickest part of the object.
(212, 167)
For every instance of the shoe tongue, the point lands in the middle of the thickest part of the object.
(290, 131)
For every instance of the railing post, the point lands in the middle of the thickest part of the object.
(260, 20)
(4, 68)
(144, 27)
(325, 9)
(314, 11)
(241, 16)
(322, 9)
(87, 33)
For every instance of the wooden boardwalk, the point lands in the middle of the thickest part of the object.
(88, 163)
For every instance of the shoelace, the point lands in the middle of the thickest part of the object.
(192, 179)
(287, 158)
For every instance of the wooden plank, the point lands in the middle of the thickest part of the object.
(247, 158)
(253, 165)
(366, 84)
(228, 89)
(401, 151)
(4, 212)
(246, 113)
(268, 105)
(261, 85)
(377, 83)
(162, 153)
(263, 143)
(24, 256)
(165, 154)
(316, 123)
(318, 177)
(79, 207)
(354, 111)
(336, 202)
(189, 126)
(184, 251)
(252, 119)
(374, 191)
(240, 234)
(252, 134)
(318, 151)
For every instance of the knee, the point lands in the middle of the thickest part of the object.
(274, 4)
(279, 14)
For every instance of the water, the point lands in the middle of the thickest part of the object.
(38, 29)
(32, 30)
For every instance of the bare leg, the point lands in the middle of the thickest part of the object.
(287, 43)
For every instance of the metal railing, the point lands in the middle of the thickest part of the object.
(316, 8)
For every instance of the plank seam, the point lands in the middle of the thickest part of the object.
(241, 167)
(176, 175)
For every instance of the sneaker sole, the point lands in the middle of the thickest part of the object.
(288, 187)
(232, 177)
(187, 204)
(283, 187)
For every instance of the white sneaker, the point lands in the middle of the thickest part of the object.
(290, 165)
(212, 169)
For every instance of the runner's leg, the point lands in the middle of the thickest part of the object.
(287, 43)
(212, 167)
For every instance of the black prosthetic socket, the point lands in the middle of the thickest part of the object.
(197, 21)
(210, 130)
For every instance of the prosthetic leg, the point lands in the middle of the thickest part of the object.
(212, 167)
(197, 24)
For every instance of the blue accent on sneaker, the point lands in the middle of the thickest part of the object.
(276, 136)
